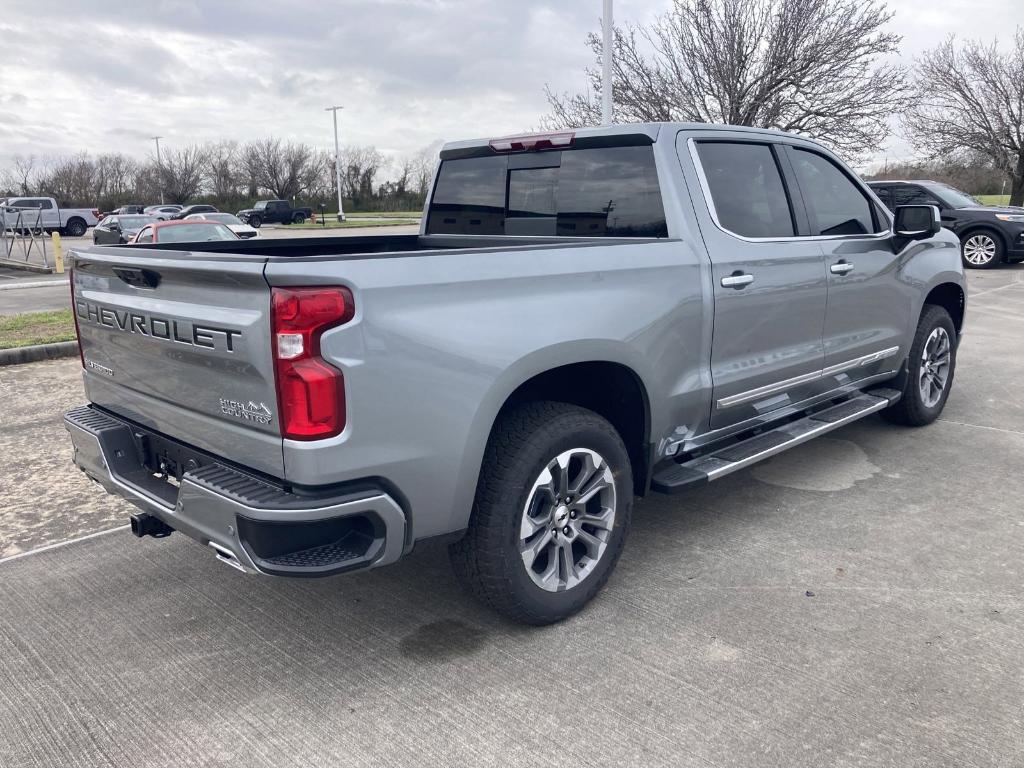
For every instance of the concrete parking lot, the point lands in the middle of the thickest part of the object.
(858, 601)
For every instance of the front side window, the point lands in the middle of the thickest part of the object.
(145, 236)
(835, 205)
(746, 188)
(597, 192)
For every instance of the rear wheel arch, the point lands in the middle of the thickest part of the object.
(612, 390)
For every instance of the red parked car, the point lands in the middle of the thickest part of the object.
(184, 232)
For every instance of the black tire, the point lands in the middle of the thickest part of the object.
(912, 409)
(524, 442)
(982, 243)
(299, 218)
(255, 222)
(76, 228)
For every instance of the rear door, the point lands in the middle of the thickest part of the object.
(868, 306)
(180, 342)
(769, 279)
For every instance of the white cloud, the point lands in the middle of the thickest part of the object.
(98, 75)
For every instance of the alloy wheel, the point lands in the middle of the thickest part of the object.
(979, 249)
(934, 371)
(568, 519)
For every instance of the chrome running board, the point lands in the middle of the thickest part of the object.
(675, 478)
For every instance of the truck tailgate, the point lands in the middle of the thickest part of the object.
(180, 342)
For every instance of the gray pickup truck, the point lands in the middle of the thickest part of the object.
(584, 318)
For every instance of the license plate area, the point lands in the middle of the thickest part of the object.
(169, 460)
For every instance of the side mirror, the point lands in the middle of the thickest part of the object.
(114, 227)
(917, 222)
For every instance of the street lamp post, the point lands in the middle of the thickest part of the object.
(337, 161)
(606, 61)
(159, 169)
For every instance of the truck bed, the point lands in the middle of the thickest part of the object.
(375, 245)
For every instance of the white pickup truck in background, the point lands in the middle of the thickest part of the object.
(43, 213)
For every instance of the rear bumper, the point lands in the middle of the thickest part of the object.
(250, 523)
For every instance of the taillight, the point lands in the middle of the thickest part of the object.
(310, 391)
(74, 314)
(533, 141)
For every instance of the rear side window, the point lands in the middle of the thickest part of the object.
(884, 194)
(835, 205)
(746, 188)
(599, 192)
(913, 195)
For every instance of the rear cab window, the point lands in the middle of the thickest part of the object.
(745, 184)
(609, 191)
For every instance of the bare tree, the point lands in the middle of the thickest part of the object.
(807, 66)
(181, 172)
(423, 165)
(72, 181)
(24, 173)
(283, 169)
(359, 169)
(223, 169)
(116, 179)
(972, 101)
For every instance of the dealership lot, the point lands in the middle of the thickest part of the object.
(855, 601)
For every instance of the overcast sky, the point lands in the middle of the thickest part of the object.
(101, 76)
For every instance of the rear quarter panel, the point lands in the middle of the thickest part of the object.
(440, 341)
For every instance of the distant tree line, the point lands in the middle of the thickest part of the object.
(228, 174)
(974, 174)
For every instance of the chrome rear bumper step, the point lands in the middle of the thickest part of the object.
(676, 478)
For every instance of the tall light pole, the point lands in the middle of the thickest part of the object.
(606, 60)
(159, 169)
(337, 161)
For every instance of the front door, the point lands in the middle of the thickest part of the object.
(769, 282)
(868, 305)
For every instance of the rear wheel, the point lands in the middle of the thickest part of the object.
(981, 249)
(75, 228)
(930, 368)
(299, 218)
(551, 513)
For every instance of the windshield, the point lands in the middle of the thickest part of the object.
(194, 233)
(260, 205)
(954, 197)
(135, 222)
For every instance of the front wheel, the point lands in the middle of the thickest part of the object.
(255, 221)
(981, 250)
(551, 513)
(930, 368)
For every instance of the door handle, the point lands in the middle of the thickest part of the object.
(841, 268)
(737, 280)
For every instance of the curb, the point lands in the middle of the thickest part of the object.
(27, 266)
(18, 285)
(38, 352)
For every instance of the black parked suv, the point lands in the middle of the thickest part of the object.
(988, 234)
